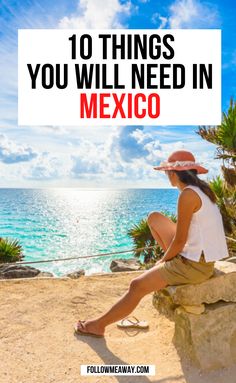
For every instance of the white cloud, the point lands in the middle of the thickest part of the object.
(125, 159)
(122, 155)
(48, 166)
(193, 14)
(188, 14)
(129, 154)
(89, 159)
(11, 152)
(94, 14)
(157, 18)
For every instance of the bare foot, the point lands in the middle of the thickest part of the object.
(90, 326)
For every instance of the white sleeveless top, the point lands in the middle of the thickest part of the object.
(206, 232)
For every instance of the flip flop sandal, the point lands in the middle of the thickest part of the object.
(136, 323)
(79, 332)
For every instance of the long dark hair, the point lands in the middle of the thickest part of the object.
(190, 177)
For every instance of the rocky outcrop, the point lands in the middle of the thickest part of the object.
(75, 274)
(221, 286)
(131, 264)
(208, 339)
(21, 271)
(45, 274)
(17, 271)
(205, 317)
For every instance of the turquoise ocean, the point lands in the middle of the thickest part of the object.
(60, 223)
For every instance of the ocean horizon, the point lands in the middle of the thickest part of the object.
(53, 223)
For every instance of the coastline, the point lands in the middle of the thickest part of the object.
(63, 223)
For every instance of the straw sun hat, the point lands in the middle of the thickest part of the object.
(181, 160)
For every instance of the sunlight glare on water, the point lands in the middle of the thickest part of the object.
(60, 223)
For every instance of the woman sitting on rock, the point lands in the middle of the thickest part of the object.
(191, 245)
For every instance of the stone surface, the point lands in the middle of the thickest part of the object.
(209, 340)
(163, 302)
(131, 264)
(17, 271)
(197, 310)
(224, 267)
(221, 286)
(75, 274)
(232, 259)
(45, 274)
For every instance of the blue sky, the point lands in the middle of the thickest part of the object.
(101, 157)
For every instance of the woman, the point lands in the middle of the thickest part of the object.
(191, 245)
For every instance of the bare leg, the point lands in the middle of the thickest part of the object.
(144, 284)
(163, 231)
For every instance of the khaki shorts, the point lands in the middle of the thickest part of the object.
(180, 270)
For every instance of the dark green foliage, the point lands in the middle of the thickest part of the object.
(224, 137)
(10, 250)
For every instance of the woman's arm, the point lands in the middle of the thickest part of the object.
(188, 203)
